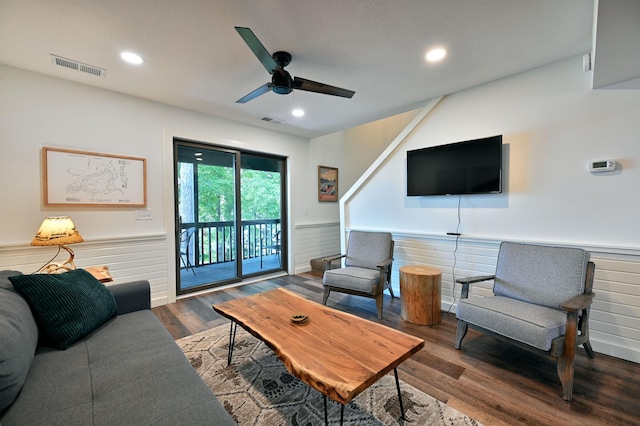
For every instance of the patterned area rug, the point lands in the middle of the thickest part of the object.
(256, 389)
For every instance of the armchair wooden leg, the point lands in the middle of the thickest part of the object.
(379, 299)
(391, 292)
(460, 333)
(565, 373)
(325, 296)
(566, 361)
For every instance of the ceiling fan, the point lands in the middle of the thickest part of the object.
(281, 81)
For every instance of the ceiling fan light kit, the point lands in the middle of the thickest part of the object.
(281, 81)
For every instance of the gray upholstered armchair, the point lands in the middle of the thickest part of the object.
(541, 301)
(367, 267)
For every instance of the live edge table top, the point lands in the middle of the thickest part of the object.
(334, 352)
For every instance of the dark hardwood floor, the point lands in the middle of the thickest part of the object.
(489, 380)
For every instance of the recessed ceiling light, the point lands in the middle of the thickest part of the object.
(298, 112)
(435, 55)
(132, 58)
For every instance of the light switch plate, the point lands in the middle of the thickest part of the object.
(144, 214)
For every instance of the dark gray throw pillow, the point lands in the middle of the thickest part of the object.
(18, 340)
(67, 306)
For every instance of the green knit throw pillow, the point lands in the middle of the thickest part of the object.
(68, 306)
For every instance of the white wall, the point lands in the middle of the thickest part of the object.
(363, 144)
(553, 124)
(37, 111)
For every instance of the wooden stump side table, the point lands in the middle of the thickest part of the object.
(420, 294)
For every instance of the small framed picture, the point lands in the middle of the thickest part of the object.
(327, 183)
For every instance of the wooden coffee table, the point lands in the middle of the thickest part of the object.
(334, 352)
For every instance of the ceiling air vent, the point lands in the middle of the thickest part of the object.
(272, 120)
(78, 66)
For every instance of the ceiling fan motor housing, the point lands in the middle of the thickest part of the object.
(282, 82)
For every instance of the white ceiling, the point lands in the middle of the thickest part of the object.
(196, 60)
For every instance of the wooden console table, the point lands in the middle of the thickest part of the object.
(420, 294)
(101, 273)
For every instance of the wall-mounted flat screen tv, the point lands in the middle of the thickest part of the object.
(469, 167)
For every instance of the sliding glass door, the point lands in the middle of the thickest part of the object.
(229, 215)
(261, 183)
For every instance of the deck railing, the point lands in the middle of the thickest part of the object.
(208, 243)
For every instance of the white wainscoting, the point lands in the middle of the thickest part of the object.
(130, 259)
(615, 313)
(313, 241)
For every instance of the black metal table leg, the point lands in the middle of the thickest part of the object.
(326, 416)
(232, 340)
(395, 372)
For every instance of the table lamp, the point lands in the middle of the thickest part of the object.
(57, 231)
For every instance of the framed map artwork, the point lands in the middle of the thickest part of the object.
(88, 178)
(327, 183)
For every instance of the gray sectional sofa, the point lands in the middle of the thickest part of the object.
(127, 371)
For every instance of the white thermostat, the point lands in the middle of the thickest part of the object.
(602, 166)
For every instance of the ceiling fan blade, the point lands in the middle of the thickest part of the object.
(259, 91)
(314, 86)
(258, 49)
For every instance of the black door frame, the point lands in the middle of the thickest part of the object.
(238, 223)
